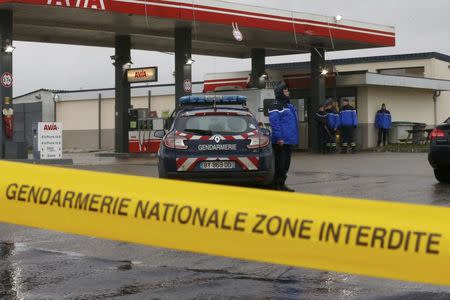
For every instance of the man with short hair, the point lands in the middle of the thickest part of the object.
(349, 122)
(284, 124)
(383, 122)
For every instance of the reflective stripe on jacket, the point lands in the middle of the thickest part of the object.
(333, 119)
(348, 116)
(383, 119)
(284, 122)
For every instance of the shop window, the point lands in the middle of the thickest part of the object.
(410, 72)
(351, 100)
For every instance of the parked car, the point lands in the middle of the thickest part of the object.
(216, 139)
(439, 155)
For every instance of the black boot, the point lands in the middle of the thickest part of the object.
(286, 189)
(283, 186)
(276, 184)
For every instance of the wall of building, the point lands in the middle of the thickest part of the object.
(43, 96)
(410, 105)
(364, 132)
(441, 70)
(80, 120)
(163, 103)
(403, 103)
(80, 123)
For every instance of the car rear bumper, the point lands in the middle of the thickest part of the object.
(439, 156)
(256, 177)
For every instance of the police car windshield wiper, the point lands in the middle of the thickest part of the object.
(199, 131)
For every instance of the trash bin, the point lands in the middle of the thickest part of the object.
(399, 131)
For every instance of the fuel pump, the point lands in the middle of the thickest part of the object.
(144, 131)
(133, 117)
(140, 131)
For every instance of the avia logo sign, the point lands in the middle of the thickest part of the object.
(149, 74)
(50, 127)
(140, 74)
(92, 4)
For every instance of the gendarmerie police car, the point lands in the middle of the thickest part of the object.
(216, 139)
(439, 154)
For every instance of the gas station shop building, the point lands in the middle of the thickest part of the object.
(408, 84)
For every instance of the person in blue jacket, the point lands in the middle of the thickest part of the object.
(284, 124)
(349, 122)
(333, 124)
(383, 122)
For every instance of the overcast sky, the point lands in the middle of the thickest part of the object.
(420, 26)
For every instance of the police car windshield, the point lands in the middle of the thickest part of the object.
(215, 124)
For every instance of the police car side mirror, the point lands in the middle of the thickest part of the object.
(160, 133)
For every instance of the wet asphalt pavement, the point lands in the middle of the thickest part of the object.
(38, 264)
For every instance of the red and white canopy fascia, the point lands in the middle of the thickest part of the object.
(279, 31)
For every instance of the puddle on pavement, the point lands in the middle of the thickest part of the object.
(27, 273)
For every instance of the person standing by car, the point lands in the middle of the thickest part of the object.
(349, 122)
(333, 124)
(383, 122)
(284, 123)
(323, 132)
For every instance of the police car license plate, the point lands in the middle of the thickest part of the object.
(208, 165)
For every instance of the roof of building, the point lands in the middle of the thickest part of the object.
(368, 59)
(38, 91)
(375, 79)
(136, 90)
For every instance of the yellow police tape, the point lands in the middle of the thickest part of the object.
(382, 239)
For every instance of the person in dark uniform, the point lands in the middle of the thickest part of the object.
(333, 124)
(349, 122)
(383, 122)
(284, 124)
(323, 133)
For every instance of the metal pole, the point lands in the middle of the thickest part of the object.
(6, 71)
(123, 96)
(258, 67)
(149, 100)
(436, 95)
(99, 121)
(183, 71)
(317, 94)
(54, 108)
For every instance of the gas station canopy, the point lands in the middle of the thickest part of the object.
(151, 25)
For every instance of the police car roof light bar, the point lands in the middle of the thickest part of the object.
(214, 100)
